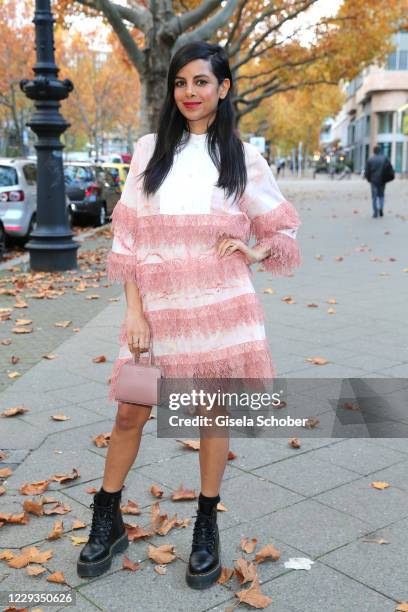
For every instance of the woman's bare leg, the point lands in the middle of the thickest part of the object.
(124, 444)
(213, 459)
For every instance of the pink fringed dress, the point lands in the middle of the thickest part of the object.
(204, 315)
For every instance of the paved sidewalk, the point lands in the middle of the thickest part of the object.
(315, 501)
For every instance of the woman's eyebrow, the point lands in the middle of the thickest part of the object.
(195, 76)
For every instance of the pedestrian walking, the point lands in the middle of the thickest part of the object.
(194, 195)
(378, 171)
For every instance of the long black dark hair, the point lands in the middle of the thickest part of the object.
(229, 158)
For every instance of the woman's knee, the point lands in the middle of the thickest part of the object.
(132, 416)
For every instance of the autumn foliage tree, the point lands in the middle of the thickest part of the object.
(264, 39)
(105, 95)
(16, 55)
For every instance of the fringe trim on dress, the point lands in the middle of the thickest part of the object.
(183, 322)
(283, 216)
(284, 257)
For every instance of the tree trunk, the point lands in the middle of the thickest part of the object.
(153, 89)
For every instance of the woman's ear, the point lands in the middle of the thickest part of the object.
(224, 88)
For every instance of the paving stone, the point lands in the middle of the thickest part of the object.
(305, 475)
(359, 455)
(321, 528)
(380, 566)
(359, 499)
(322, 588)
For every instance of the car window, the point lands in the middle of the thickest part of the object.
(8, 176)
(30, 173)
(76, 173)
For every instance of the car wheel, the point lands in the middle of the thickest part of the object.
(2, 241)
(101, 218)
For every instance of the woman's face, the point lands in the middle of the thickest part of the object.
(196, 93)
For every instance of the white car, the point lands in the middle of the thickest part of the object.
(18, 196)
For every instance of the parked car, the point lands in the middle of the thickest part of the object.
(2, 240)
(92, 189)
(116, 172)
(18, 197)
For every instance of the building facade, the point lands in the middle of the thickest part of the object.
(376, 111)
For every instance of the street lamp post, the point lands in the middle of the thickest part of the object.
(51, 245)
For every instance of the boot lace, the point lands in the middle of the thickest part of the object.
(204, 533)
(101, 520)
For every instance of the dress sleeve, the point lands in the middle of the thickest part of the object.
(274, 220)
(122, 260)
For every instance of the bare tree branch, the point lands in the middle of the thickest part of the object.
(207, 29)
(254, 102)
(111, 13)
(235, 25)
(137, 16)
(180, 23)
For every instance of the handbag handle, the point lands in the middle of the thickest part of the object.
(136, 358)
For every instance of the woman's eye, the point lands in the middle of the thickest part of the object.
(201, 81)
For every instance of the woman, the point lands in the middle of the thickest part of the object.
(194, 195)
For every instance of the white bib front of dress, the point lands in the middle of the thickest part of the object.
(188, 188)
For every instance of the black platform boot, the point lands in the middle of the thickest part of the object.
(204, 566)
(107, 536)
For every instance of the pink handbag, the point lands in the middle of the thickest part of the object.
(139, 384)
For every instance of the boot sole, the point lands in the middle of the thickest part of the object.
(206, 579)
(96, 568)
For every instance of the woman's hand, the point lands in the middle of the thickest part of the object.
(226, 246)
(137, 331)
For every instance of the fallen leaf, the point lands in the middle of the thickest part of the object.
(33, 507)
(294, 443)
(221, 507)
(193, 444)
(91, 490)
(269, 290)
(34, 488)
(60, 417)
(14, 359)
(35, 570)
(23, 321)
(2, 490)
(40, 556)
(6, 555)
(57, 531)
(13, 411)
(127, 564)
(267, 552)
(247, 545)
(160, 569)
(64, 477)
(63, 323)
(78, 540)
(244, 570)
(130, 508)
(6, 341)
(99, 359)
(379, 541)
(317, 360)
(183, 494)
(102, 440)
(331, 311)
(14, 374)
(161, 554)
(58, 508)
(5, 472)
(380, 485)
(231, 455)
(57, 577)
(22, 330)
(310, 423)
(350, 406)
(78, 524)
(332, 301)
(156, 491)
(134, 532)
(402, 607)
(288, 299)
(50, 356)
(253, 596)
(339, 258)
(313, 305)
(226, 574)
